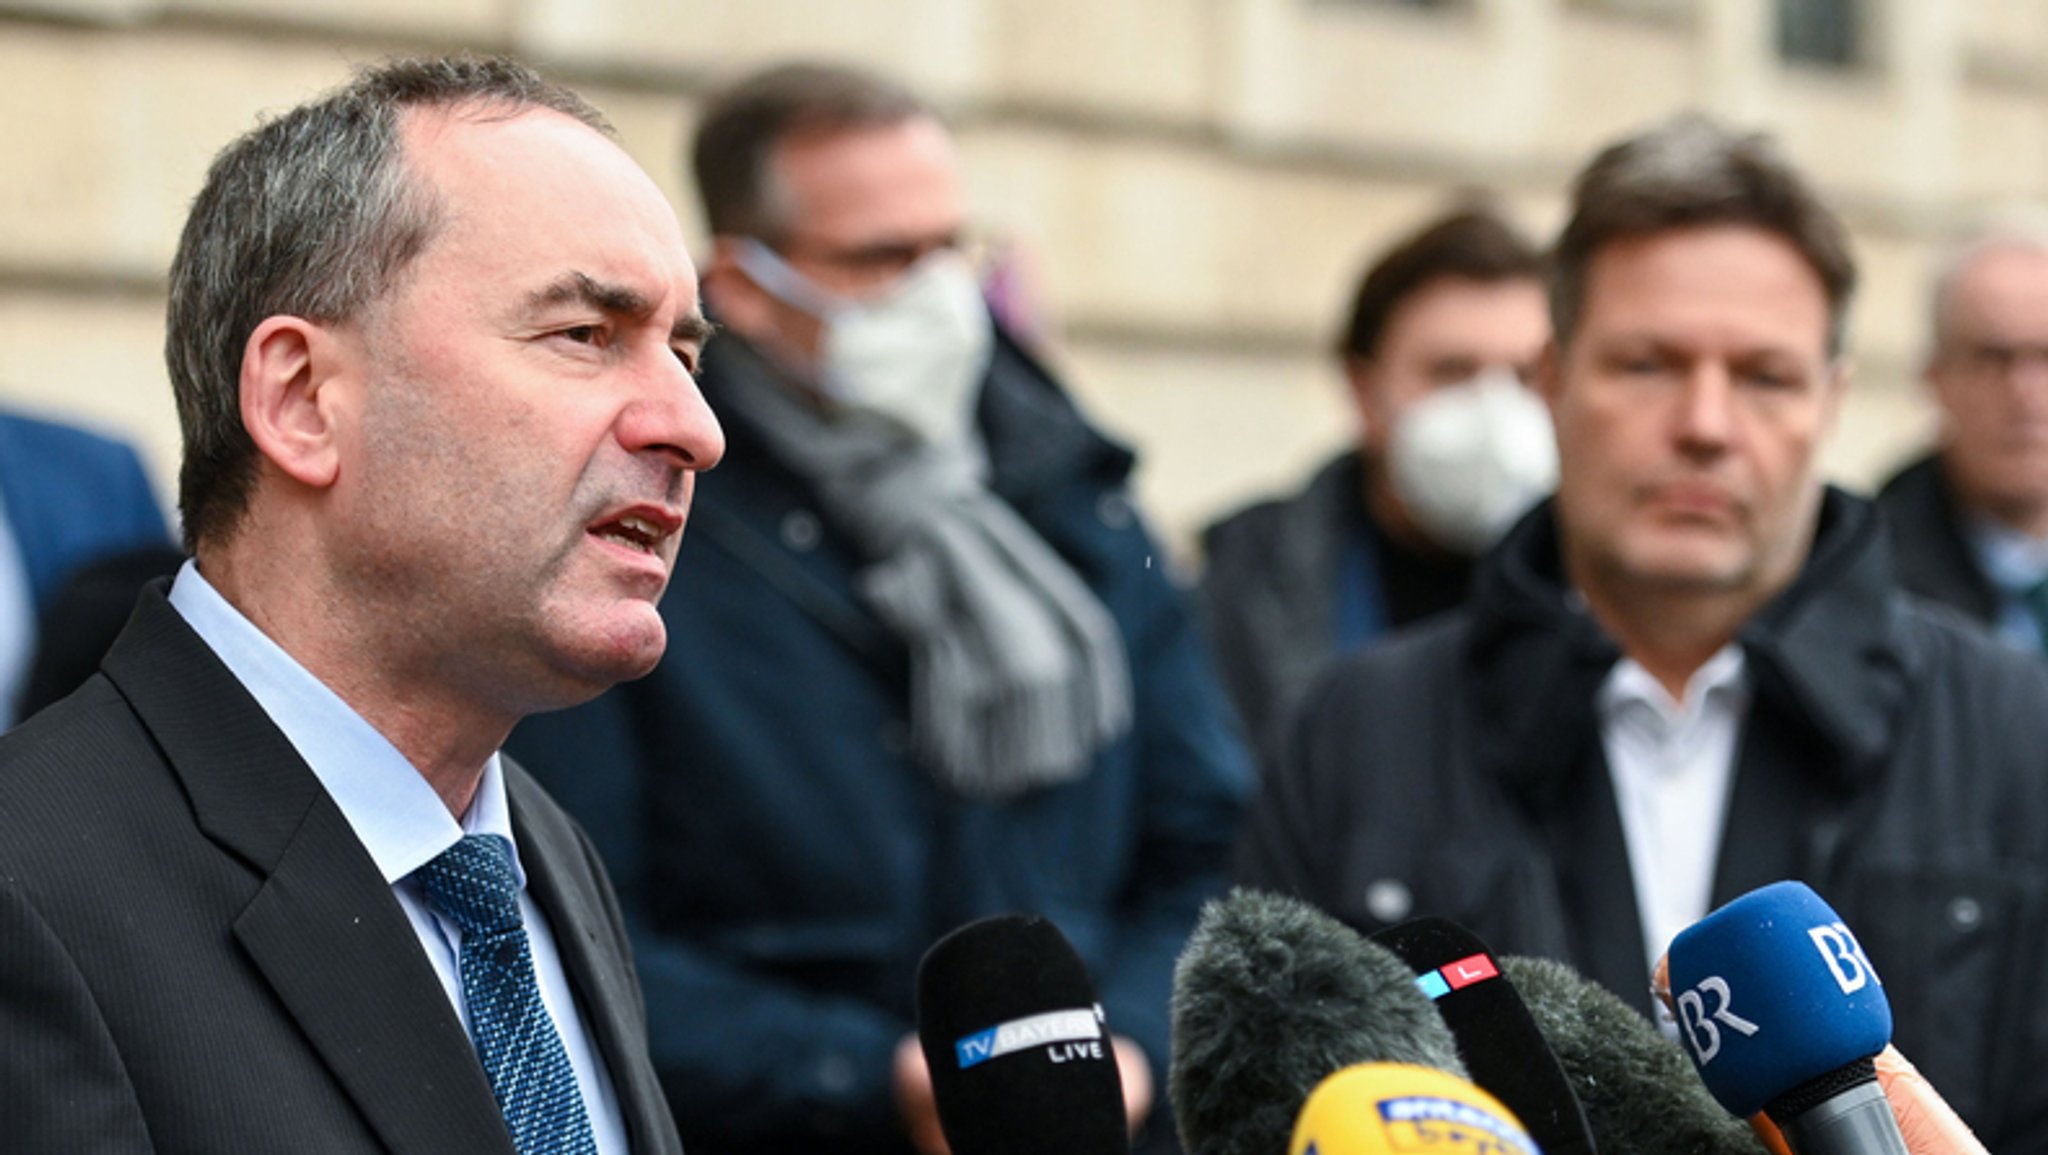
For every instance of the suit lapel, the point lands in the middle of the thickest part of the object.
(323, 927)
(341, 955)
(559, 875)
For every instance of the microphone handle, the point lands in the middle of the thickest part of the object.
(1856, 1122)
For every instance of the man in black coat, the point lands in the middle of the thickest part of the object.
(265, 883)
(1969, 521)
(1440, 325)
(1690, 673)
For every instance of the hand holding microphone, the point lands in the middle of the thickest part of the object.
(1928, 1124)
(1782, 1013)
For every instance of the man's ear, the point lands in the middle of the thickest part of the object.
(727, 289)
(287, 404)
(750, 311)
(1359, 385)
(1840, 372)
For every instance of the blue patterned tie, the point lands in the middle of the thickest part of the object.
(472, 884)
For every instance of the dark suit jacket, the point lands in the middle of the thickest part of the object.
(198, 955)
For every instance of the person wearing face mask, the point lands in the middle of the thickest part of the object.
(1451, 448)
(925, 665)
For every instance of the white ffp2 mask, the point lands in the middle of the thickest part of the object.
(914, 353)
(1470, 458)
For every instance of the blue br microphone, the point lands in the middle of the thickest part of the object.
(1781, 1013)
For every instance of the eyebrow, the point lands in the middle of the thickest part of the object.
(694, 328)
(619, 300)
(582, 288)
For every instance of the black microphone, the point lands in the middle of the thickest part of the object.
(1507, 1054)
(1019, 1051)
(1637, 1087)
(1781, 1012)
(1270, 997)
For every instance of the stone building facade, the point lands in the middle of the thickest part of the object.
(1196, 182)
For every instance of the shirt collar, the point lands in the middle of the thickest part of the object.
(1628, 682)
(2012, 560)
(390, 806)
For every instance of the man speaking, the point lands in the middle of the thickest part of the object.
(265, 883)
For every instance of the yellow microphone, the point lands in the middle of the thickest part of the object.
(1398, 1109)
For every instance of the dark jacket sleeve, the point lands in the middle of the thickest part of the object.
(1196, 777)
(756, 1055)
(1228, 604)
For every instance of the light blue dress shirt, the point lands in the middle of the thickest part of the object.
(2015, 563)
(398, 817)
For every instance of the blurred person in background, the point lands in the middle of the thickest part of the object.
(1969, 521)
(68, 499)
(1443, 334)
(1692, 672)
(88, 611)
(926, 662)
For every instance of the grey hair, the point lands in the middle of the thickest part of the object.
(312, 214)
(2021, 227)
(1689, 172)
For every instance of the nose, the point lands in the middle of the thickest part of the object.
(668, 418)
(1705, 418)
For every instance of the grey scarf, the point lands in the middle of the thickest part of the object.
(1018, 673)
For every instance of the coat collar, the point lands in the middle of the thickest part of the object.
(1828, 654)
(1937, 560)
(323, 928)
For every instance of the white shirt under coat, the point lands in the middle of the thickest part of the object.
(400, 820)
(1672, 763)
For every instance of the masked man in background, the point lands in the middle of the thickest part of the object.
(1451, 446)
(926, 666)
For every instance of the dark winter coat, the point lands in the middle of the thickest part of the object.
(783, 860)
(1893, 758)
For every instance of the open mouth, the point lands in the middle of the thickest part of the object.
(633, 532)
